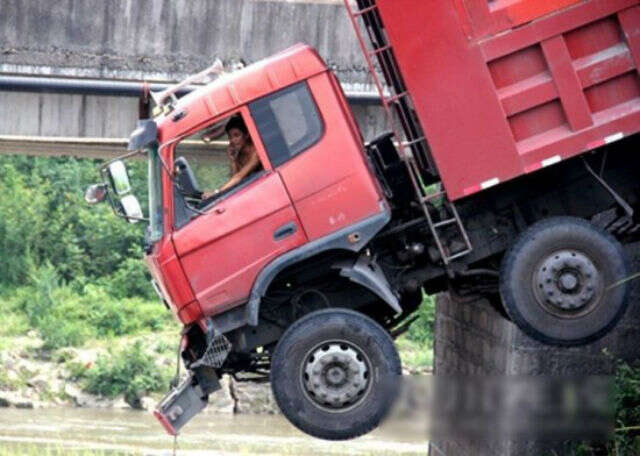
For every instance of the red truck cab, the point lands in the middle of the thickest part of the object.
(315, 182)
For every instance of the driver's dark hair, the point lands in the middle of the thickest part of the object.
(236, 122)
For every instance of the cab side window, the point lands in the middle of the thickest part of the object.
(288, 122)
(211, 165)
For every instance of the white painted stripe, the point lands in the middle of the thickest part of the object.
(551, 160)
(614, 138)
(490, 183)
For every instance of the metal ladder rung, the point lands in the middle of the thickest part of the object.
(379, 50)
(457, 255)
(426, 199)
(412, 142)
(396, 97)
(365, 11)
(445, 222)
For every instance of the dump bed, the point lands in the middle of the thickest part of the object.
(503, 88)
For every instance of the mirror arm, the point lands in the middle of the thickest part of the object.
(121, 157)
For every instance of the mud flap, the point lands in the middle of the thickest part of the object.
(181, 405)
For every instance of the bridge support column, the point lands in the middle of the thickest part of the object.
(474, 338)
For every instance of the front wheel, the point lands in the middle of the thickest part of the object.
(335, 374)
(562, 282)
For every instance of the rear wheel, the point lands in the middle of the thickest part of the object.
(562, 281)
(335, 374)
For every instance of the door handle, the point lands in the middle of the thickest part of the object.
(219, 210)
(285, 231)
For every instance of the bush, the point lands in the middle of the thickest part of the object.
(421, 330)
(66, 317)
(58, 332)
(627, 402)
(130, 371)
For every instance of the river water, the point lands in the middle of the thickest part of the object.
(128, 431)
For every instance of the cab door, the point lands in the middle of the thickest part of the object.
(223, 250)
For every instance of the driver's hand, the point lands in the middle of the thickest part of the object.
(207, 195)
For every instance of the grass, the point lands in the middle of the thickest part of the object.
(415, 356)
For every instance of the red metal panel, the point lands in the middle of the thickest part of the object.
(529, 93)
(453, 93)
(342, 190)
(233, 90)
(630, 23)
(523, 99)
(166, 270)
(602, 66)
(493, 16)
(548, 27)
(567, 83)
(223, 251)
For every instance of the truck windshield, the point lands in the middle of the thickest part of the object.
(155, 195)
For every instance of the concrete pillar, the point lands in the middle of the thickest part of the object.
(474, 338)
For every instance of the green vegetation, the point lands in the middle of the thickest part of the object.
(72, 272)
(131, 371)
(421, 331)
(626, 399)
(416, 345)
(627, 402)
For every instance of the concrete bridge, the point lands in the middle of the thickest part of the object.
(153, 40)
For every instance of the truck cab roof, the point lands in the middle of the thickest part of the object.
(233, 90)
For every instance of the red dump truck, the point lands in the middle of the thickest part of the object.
(509, 171)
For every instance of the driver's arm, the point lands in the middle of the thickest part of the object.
(243, 172)
(248, 168)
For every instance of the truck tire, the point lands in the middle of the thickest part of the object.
(335, 374)
(561, 282)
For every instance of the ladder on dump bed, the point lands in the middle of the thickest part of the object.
(413, 146)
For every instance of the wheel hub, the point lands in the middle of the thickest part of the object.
(566, 282)
(335, 375)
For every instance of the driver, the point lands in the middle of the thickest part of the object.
(242, 154)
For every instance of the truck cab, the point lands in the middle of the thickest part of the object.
(315, 181)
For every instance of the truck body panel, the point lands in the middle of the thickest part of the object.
(223, 250)
(325, 188)
(330, 183)
(505, 88)
(167, 272)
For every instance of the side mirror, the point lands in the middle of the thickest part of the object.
(95, 194)
(131, 208)
(119, 177)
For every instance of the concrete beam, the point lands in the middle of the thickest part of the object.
(102, 148)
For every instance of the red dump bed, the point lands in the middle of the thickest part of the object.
(505, 87)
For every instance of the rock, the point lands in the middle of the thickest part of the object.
(253, 398)
(79, 397)
(121, 403)
(27, 368)
(41, 383)
(148, 403)
(222, 401)
(8, 399)
(24, 404)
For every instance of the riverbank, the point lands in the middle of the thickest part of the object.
(34, 377)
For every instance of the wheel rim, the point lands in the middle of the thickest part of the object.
(335, 376)
(567, 284)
